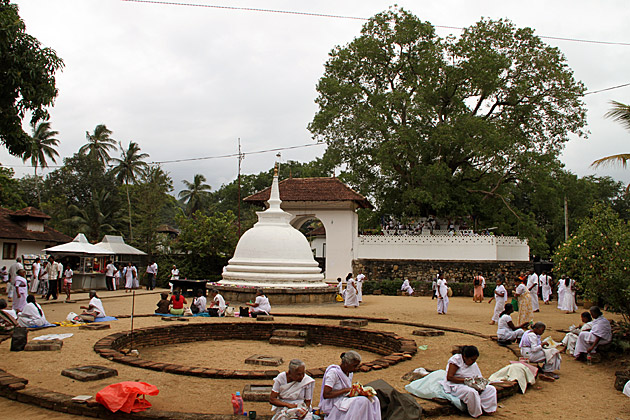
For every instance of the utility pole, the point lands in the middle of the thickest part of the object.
(241, 156)
(566, 219)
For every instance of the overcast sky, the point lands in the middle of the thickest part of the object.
(187, 82)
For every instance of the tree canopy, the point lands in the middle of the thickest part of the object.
(446, 126)
(27, 79)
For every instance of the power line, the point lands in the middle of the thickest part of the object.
(606, 89)
(327, 15)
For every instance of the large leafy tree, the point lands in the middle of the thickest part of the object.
(27, 79)
(96, 219)
(43, 143)
(99, 144)
(196, 194)
(427, 125)
(127, 168)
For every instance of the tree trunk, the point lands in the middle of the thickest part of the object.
(39, 197)
(129, 207)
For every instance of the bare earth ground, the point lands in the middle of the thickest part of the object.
(583, 392)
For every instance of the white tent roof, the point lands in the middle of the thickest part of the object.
(79, 245)
(116, 245)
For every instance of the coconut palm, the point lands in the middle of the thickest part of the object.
(196, 193)
(127, 169)
(99, 144)
(43, 143)
(96, 219)
(620, 113)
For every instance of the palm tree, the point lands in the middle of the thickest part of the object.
(127, 168)
(196, 194)
(43, 142)
(620, 113)
(94, 220)
(99, 144)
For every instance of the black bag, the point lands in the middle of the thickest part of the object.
(19, 338)
(243, 312)
(213, 312)
(476, 281)
(194, 309)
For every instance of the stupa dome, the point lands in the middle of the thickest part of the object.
(273, 253)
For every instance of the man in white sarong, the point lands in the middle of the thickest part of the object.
(292, 393)
(351, 297)
(32, 314)
(532, 286)
(35, 279)
(336, 385)
(442, 294)
(600, 334)
(406, 287)
(545, 284)
(217, 302)
(500, 296)
(360, 280)
(533, 349)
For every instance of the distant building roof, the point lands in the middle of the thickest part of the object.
(320, 231)
(117, 245)
(167, 229)
(10, 228)
(312, 189)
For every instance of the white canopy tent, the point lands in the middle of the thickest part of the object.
(116, 245)
(79, 245)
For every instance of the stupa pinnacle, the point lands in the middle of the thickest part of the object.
(273, 253)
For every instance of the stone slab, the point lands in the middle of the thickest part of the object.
(428, 332)
(95, 327)
(174, 318)
(264, 360)
(300, 342)
(43, 345)
(264, 318)
(89, 373)
(353, 322)
(254, 392)
(290, 333)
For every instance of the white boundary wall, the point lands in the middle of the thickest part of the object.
(441, 247)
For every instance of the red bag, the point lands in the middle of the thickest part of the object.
(123, 396)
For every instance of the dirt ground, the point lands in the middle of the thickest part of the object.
(582, 392)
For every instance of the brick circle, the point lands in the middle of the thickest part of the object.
(392, 347)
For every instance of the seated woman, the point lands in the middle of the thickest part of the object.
(261, 305)
(94, 309)
(8, 319)
(463, 366)
(164, 304)
(533, 349)
(292, 393)
(337, 384)
(32, 315)
(571, 337)
(199, 303)
(406, 287)
(506, 330)
(177, 302)
(217, 302)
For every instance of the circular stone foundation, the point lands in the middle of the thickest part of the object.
(277, 295)
(393, 348)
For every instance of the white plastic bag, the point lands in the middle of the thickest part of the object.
(74, 318)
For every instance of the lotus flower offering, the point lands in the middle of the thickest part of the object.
(359, 390)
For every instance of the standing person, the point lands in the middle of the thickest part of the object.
(525, 312)
(406, 287)
(545, 285)
(21, 291)
(434, 287)
(43, 280)
(35, 280)
(532, 286)
(67, 282)
(110, 272)
(340, 290)
(117, 277)
(53, 277)
(360, 280)
(561, 290)
(568, 297)
(351, 298)
(442, 293)
(461, 367)
(500, 296)
(151, 275)
(130, 273)
(136, 278)
(479, 283)
(15, 267)
(174, 276)
(59, 277)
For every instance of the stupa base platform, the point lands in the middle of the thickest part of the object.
(277, 295)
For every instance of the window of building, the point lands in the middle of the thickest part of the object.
(9, 251)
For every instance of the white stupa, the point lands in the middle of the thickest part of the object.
(273, 253)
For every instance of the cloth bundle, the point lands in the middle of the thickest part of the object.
(124, 396)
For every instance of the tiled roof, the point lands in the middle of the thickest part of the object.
(11, 229)
(30, 212)
(320, 231)
(312, 189)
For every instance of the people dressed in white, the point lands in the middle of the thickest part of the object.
(533, 349)
(406, 287)
(218, 302)
(95, 306)
(352, 294)
(130, 274)
(21, 290)
(292, 393)
(463, 366)
(337, 384)
(32, 315)
(36, 268)
(545, 284)
(174, 276)
(199, 302)
(110, 271)
(570, 339)
(567, 302)
(442, 292)
(261, 305)
(561, 290)
(500, 296)
(340, 289)
(360, 280)
(13, 270)
(532, 286)
(600, 334)
(506, 330)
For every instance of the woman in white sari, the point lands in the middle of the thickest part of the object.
(533, 349)
(406, 287)
(292, 393)
(337, 384)
(352, 293)
(32, 314)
